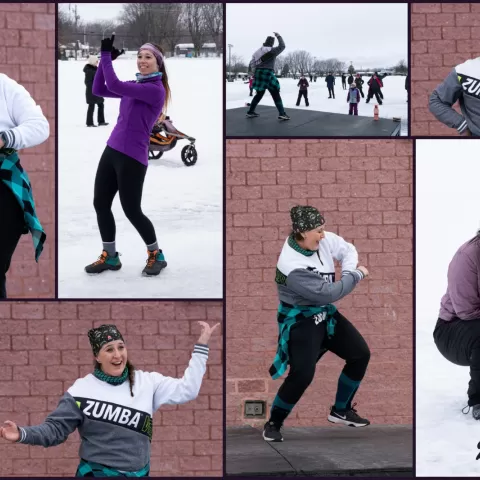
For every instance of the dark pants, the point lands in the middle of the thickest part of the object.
(344, 85)
(12, 226)
(377, 96)
(251, 92)
(276, 98)
(100, 113)
(459, 342)
(353, 109)
(308, 342)
(302, 93)
(118, 172)
(360, 89)
(331, 92)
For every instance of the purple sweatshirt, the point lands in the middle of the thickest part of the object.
(462, 299)
(140, 106)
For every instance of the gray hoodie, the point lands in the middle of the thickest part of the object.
(462, 84)
(264, 58)
(308, 278)
(462, 299)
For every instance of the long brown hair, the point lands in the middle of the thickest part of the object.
(168, 95)
(131, 373)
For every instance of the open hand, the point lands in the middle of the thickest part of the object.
(116, 53)
(10, 431)
(206, 332)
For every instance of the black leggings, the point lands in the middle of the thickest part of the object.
(459, 342)
(118, 172)
(12, 226)
(276, 98)
(100, 113)
(309, 342)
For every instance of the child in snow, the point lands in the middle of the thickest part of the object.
(353, 98)
(303, 92)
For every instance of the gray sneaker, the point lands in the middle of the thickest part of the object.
(271, 432)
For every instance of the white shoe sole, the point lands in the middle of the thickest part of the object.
(333, 419)
(270, 439)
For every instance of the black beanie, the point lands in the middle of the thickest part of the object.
(269, 42)
(103, 334)
(305, 218)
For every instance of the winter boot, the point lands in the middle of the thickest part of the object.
(155, 263)
(347, 417)
(271, 432)
(104, 262)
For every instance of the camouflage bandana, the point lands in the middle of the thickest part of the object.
(305, 218)
(103, 334)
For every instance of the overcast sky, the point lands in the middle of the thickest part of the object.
(369, 35)
(90, 12)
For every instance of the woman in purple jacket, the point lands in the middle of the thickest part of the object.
(124, 162)
(457, 333)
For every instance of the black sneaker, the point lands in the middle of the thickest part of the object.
(476, 412)
(347, 417)
(91, 125)
(271, 432)
(284, 117)
(155, 263)
(104, 262)
(102, 124)
(252, 114)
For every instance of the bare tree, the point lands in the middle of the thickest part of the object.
(401, 68)
(196, 25)
(213, 15)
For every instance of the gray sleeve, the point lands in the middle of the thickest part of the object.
(279, 48)
(314, 288)
(57, 426)
(442, 99)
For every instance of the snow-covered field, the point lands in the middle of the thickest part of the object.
(183, 203)
(394, 105)
(447, 215)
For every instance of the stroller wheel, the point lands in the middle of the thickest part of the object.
(189, 155)
(154, 155)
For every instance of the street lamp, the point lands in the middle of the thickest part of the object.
(229, 60)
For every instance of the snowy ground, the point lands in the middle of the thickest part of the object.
(395, 102)
(447, 215)
(183, 203)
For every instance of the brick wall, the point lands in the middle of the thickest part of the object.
(364, 188)
(443, 36)
(27, 54)
(44, 348)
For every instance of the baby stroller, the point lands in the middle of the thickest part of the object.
(164, 137)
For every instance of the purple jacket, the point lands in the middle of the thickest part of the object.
(140, 106)
(462, 299)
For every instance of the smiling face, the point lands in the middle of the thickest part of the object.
(113, 358)
(312, 238)
(146, 62)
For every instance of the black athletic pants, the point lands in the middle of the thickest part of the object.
(12, 225)
(308, 343)
(276, 98)
(459, 342)
(331, 92)
(100, 113)
(302, 93)
(118, 172)
(378, 96)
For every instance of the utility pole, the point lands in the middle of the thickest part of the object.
(76, 17)
(229, 60)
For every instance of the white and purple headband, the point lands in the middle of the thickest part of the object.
(155, 51)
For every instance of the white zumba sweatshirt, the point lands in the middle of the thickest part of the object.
(22, 123)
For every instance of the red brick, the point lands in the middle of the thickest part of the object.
(275, 164)
(365, 190)
(418, 20)
(235, 150)
(321, 178)
(13, 327)
(386, 231)
(467, 20)
(305, 163)
(306, 191)
(426, 7)
(455, 33)
(352, 204)
(442, 20)
(336, 191)
(292, 178)
(248, 386)
(261, 150)
(236, 178)
(14, 389)
(126, 311)
(321, 149)
(28, 311)
(427, 33)
(355, 176)
(365, 163)
(261, 178)
(246, 192)
(335, 163)
(291, 150)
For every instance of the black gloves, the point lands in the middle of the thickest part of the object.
(116, 53)
(107, 44)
